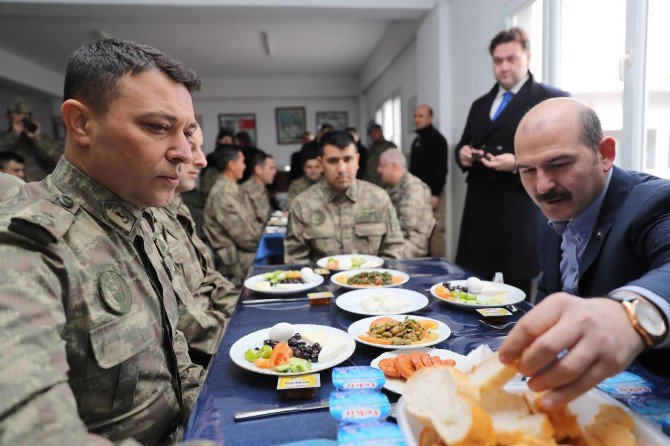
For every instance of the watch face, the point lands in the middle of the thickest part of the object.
(649, 319)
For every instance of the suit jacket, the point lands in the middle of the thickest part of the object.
(630, 245)
(499, 226)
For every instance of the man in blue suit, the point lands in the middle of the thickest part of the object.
(499, 220)
(605, 235)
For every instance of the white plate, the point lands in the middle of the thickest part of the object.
(252, 284)
(371, 261)
(397, 385)
(514, 295)
(352, 301)
(361, 327)
(346, 274)
(256, 339)
(585, 407)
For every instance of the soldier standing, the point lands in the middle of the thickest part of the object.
(230, 220)
(87, 287)
(204, 312)
(411, 198)
(340, 214)
(24, 138)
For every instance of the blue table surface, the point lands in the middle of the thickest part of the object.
(270, 245)
(229, 389)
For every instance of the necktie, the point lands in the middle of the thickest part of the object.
(505, 100)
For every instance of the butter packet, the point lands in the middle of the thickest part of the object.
(382, 433)
(359, 406)
(358, 378)
(320, 298)
(298, 387)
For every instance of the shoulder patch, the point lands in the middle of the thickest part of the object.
(43, 221)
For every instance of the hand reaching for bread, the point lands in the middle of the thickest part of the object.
(596, 333)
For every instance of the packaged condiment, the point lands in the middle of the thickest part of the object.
(355, 406)
(358, 378)
(494, 315)
(370, 434)
(298, 387)
(321, 298)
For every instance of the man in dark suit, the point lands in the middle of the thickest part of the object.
(499, 220)
(605, 234)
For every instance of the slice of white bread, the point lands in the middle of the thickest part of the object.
(513, 427)
(611, 426)
(432, 396)
(565, 423)
(491, 374)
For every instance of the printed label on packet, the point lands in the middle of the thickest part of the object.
(353, 406)
(299, 382)
(358, 378)
(492, 312)
(320, 298)
(625, 384)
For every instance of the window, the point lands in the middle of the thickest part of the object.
(617, 64)
(656, 154)
(529, 18)
(389, 117)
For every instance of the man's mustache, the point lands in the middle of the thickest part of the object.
(553, 195)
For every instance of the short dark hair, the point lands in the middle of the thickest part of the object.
(351, 129)
(244, 139)
(309, 155)
(94, 70)
(590, 129)
(224, 155)
(515, 34)
(326, 125)
(337, 138)
(259, 158)
(6, 157)
(223, 133)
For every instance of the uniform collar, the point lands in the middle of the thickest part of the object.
(172, 208)
(351, 193)
(99, 201)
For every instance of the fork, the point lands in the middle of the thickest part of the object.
(500, 326)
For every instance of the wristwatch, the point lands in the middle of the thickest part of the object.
(646, 319)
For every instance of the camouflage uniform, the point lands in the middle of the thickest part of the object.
(40, 154)
(411, 199)
(89, 316)
(297, 187)
(259, 198)
(374, 153)
(9, 186)
(232, 228)
(322, 223)
(203, 316)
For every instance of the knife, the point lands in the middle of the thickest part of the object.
(250, 414)
(270, 301)
(260, 413)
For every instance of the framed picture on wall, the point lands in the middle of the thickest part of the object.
(338, 119)
(290, 122)
(239, 122)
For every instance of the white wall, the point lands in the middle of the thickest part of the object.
(264, 108)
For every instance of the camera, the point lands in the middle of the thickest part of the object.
(28, 123)
(478, 156)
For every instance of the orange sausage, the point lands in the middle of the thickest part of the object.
(387, 366)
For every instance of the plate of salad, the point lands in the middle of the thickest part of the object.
(475, 293)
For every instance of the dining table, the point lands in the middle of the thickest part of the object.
(229, 389)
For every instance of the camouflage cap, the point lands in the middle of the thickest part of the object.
(18, 106)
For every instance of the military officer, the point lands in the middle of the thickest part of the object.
(341, 214)
(263, 169)
(230, 220)
(203, 314)
(311, 168)
(412, 201)
(24, 138)
(90, 352)
(378, 144)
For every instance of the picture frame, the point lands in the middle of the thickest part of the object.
(58, 129)
(239, 122)
(338, 119)
(290, 124)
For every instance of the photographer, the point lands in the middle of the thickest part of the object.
(23, 138)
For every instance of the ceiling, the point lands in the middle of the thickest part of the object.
(217, 38)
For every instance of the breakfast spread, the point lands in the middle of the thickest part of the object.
(473, 292)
